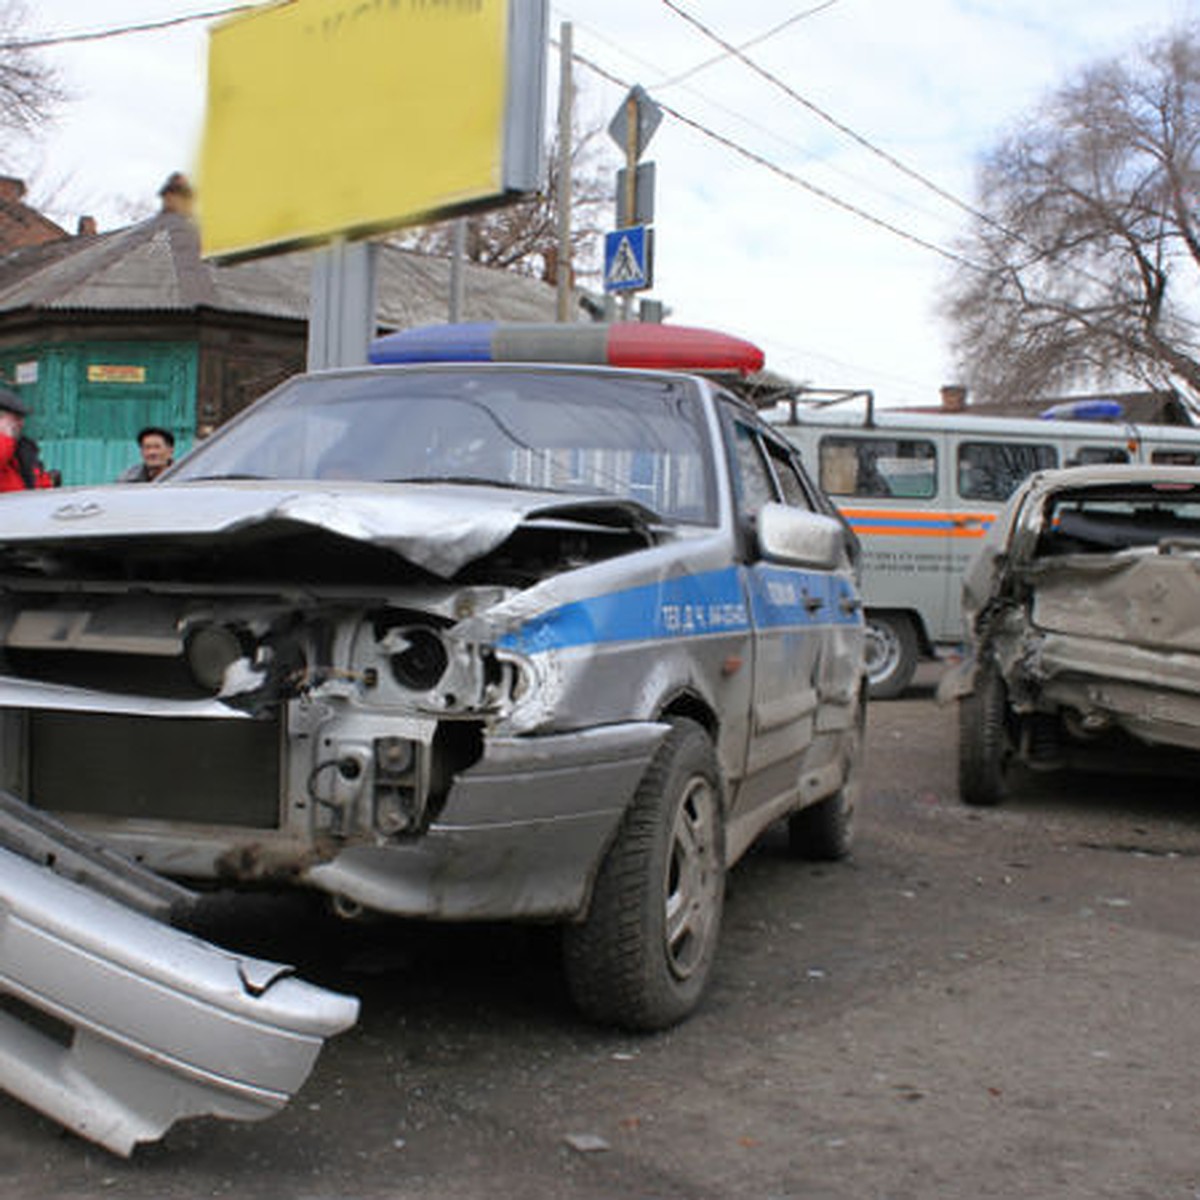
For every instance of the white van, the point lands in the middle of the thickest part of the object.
(921, 489)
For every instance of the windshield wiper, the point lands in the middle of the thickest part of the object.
(478, 480)
(221, 478)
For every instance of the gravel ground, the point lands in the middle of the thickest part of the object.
(977, 1004)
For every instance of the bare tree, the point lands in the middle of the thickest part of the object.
(1086, 252)
(523, 237)
(29, 89)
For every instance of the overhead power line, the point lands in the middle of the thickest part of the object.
(67, 39)
(867, 144)
(755, 41)
(771, 131)
(784, 173)
(816, 110)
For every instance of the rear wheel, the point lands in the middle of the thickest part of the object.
(984, 748)
(642, 957)
(891, 654)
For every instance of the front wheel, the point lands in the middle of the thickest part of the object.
(890, 654)
(642, 957)
(984, 747)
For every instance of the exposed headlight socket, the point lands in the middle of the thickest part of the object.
(422, 661)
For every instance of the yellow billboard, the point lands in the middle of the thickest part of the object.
(330, 117)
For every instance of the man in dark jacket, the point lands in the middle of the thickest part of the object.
(157, 447)
(19, 465)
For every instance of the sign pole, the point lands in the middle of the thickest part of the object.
(632, 153)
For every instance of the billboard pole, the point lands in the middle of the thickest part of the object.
(565, 104)
(458, 254)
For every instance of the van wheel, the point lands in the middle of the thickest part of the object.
(984, 748)
(641, 958)
(891, 653)
(822, 832)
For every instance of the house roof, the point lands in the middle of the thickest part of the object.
(156, 266)
(21, 225)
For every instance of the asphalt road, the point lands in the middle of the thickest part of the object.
(977, 1004)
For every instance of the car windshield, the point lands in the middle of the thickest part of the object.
(632, 436)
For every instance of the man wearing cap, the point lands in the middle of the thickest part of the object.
(19, 465)
(158, 452)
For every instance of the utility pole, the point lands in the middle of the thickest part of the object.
(458, 254)
(566, 101)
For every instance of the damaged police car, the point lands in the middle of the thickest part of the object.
(457, 640)
(1083, 630)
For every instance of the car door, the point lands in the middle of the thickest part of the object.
(789, 608)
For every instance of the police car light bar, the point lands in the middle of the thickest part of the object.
(622, 344)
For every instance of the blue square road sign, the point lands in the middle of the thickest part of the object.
(627, 265)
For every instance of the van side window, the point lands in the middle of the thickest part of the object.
(992, 470)
(1087, 456)
(878, 466)
(1176, 457)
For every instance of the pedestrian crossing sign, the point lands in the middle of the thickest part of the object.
(627, 266)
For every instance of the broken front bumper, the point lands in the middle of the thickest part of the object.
(122, 1025)
(522, 833)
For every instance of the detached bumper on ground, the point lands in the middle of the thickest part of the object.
(117, 1025)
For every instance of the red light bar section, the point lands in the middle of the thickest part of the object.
(680, 348)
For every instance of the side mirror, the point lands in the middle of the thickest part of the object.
(799, 537)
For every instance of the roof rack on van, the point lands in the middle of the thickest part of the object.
(813, 397)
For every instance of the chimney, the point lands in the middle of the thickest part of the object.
(954, 398)
(176, 194)
(12, 191)
(86, 227)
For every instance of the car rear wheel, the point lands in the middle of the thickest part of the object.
(891, 652)
(822, 832)
(984, 748)
(642, 957)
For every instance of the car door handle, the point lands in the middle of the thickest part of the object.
(850, 604)
(813, 603)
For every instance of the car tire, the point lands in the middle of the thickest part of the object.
(984, 748)
(822, 832)
(892, 651)
(642, 957)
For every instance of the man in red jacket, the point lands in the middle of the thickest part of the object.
(19, 465)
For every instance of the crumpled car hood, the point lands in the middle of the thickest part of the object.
(439, 527)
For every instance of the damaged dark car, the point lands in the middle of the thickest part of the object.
(455, 642)
(1083, 627)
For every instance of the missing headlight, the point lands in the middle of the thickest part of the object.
(212, 649)
(423, 660)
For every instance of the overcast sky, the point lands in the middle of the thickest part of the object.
(834, 299)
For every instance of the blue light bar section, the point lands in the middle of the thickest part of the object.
(1084, 410)
(470, 342)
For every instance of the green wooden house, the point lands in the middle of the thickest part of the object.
(104, 334)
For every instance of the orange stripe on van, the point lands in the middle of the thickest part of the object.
(897, 522)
